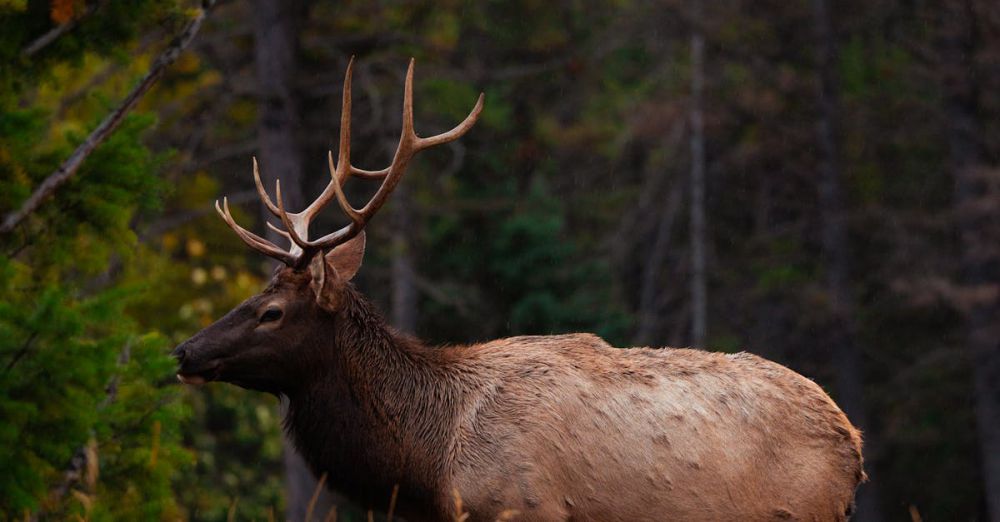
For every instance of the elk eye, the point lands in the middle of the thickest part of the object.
(271, 314)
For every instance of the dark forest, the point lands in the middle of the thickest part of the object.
(815, 182)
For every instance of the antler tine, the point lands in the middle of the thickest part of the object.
(422, 143)
(408, 132)
(404, 152)
(409, 145)
(279, 231)
(297, 224)
(252, 240)
(344, 156)
(458, 131)
(342, 169)
(294, 225)
(369, 174)
(345, 205)
(260, 190)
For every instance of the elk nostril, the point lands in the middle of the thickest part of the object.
(179, 353)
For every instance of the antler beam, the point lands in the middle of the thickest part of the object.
(296, 225)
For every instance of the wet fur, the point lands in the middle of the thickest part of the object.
(565, 427)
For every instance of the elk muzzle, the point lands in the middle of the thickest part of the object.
(193, 367)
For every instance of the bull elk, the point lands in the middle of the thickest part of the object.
(561, 427)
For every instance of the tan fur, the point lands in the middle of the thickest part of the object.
(590, 432)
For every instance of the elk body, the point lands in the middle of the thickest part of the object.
(559, 427)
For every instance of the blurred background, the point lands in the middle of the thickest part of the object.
(816, 182)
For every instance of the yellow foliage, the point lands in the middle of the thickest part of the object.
(169, 241)
(67, 127)
(13, 5)
(219, 273)
(242, 112)
(245, 280)
(155, 449)
(445, 30)
(86, 501)
(93, 466)
(187, 63)
(195, 248)
(199, 276)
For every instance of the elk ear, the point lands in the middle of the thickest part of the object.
(336, 267)
(346, 258)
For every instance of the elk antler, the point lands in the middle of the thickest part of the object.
(296, 225)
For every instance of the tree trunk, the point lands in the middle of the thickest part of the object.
(649, 309)
(841, 335)
(977, 208)
(699, 292)
(663, 191)
(977, 213)
(275, 52)
(404, 291)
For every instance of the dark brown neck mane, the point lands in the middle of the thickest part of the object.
(378, 409)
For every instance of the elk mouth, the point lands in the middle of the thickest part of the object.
(199, 377)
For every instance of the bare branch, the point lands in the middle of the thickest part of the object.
(53, 34)
(22, 352)
(110, 123)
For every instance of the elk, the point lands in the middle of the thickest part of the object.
(560, 427)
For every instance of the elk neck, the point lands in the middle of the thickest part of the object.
(377, 411)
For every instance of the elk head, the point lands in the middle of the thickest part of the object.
(271, 340)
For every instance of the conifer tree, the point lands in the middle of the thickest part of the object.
(89, 426)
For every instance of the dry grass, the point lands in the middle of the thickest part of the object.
(315, 497)
(459, 515)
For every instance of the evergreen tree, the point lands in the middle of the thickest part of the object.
(89, 426)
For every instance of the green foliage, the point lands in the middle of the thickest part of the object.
(83, 387)
(63, 355)
(237, 438)
(202, 270)
(542, 281)
(104, 32)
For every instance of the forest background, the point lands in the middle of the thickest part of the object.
(816, 182)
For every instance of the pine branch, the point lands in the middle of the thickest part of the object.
(72, 164)
(22, 352)
(78, 463)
